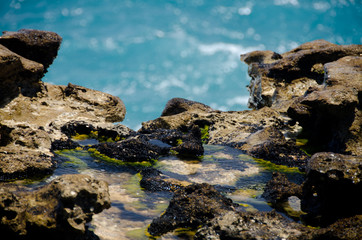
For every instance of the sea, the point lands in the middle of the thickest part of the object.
(149, 51)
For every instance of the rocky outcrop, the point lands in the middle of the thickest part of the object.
(258, 133)
(190, 207)
(331, 114)
(32, 112)
(279, 78)
(331, 190)
(59, 210)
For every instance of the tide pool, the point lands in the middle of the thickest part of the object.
(147, 52)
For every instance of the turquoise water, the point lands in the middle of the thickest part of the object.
(147, 52)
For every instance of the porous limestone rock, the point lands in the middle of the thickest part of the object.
(59, 210)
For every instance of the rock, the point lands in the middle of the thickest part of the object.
(179, 105)
(258, 133)
(153, 180)
(132, 149)
(24, 152)
(247, 225)
(270, 144)
(278, 79)
(331, 189)
(35, 45)
(59, 210)
(331, 115)
(32, 113)
(18, 75)
(190, 207)
(279, 189)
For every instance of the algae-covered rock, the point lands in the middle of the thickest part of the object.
(59, 210)
(191, 206)
(332, 188)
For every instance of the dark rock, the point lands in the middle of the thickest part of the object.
(279, 189)
(179, 105)
(270, 144)
(331, 190)
(59, 210)
(191, 206)
(35, 45)
(153, 180)
(247, 225)
(133, 149)
(64, 144)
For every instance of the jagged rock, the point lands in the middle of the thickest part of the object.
(59, 210)
(331, 115)
(270, 144)
(278, 79)
(279, 189)
(18, 75)
(35, 45)
(32, 113)
(132, 149)
(191, 206)
(240, 130)
(153, 180)
(247, 225)
(331, 189)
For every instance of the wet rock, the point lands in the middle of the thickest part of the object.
(59, 210)
(246, 225)
(279, 189)
(344, 229)
(35, 45)
(331, 190)
(331, 114)
(153, 180)
(32, 113)
(270, 144)
(191, 206)
(278, 79)
(133, 149)
(243, 130)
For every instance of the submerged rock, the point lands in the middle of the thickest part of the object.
(59, 210)
(331, 190)
(191, 206)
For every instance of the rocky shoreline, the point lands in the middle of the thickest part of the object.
(306, 113)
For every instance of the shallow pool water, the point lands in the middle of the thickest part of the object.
(239, 176)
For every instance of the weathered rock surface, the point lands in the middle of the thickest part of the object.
(278, 79)
(191, 206)
(331, 190)
(32, 113)
(258, 133)
(246, 225)
(331, 114)
(35, 45)
(59, 210)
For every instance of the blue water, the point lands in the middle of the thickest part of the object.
(147, 52)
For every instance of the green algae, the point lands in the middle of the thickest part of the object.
(97, 136)
(102, 157)
(267, 165)
(73, 157)
(205, 134)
